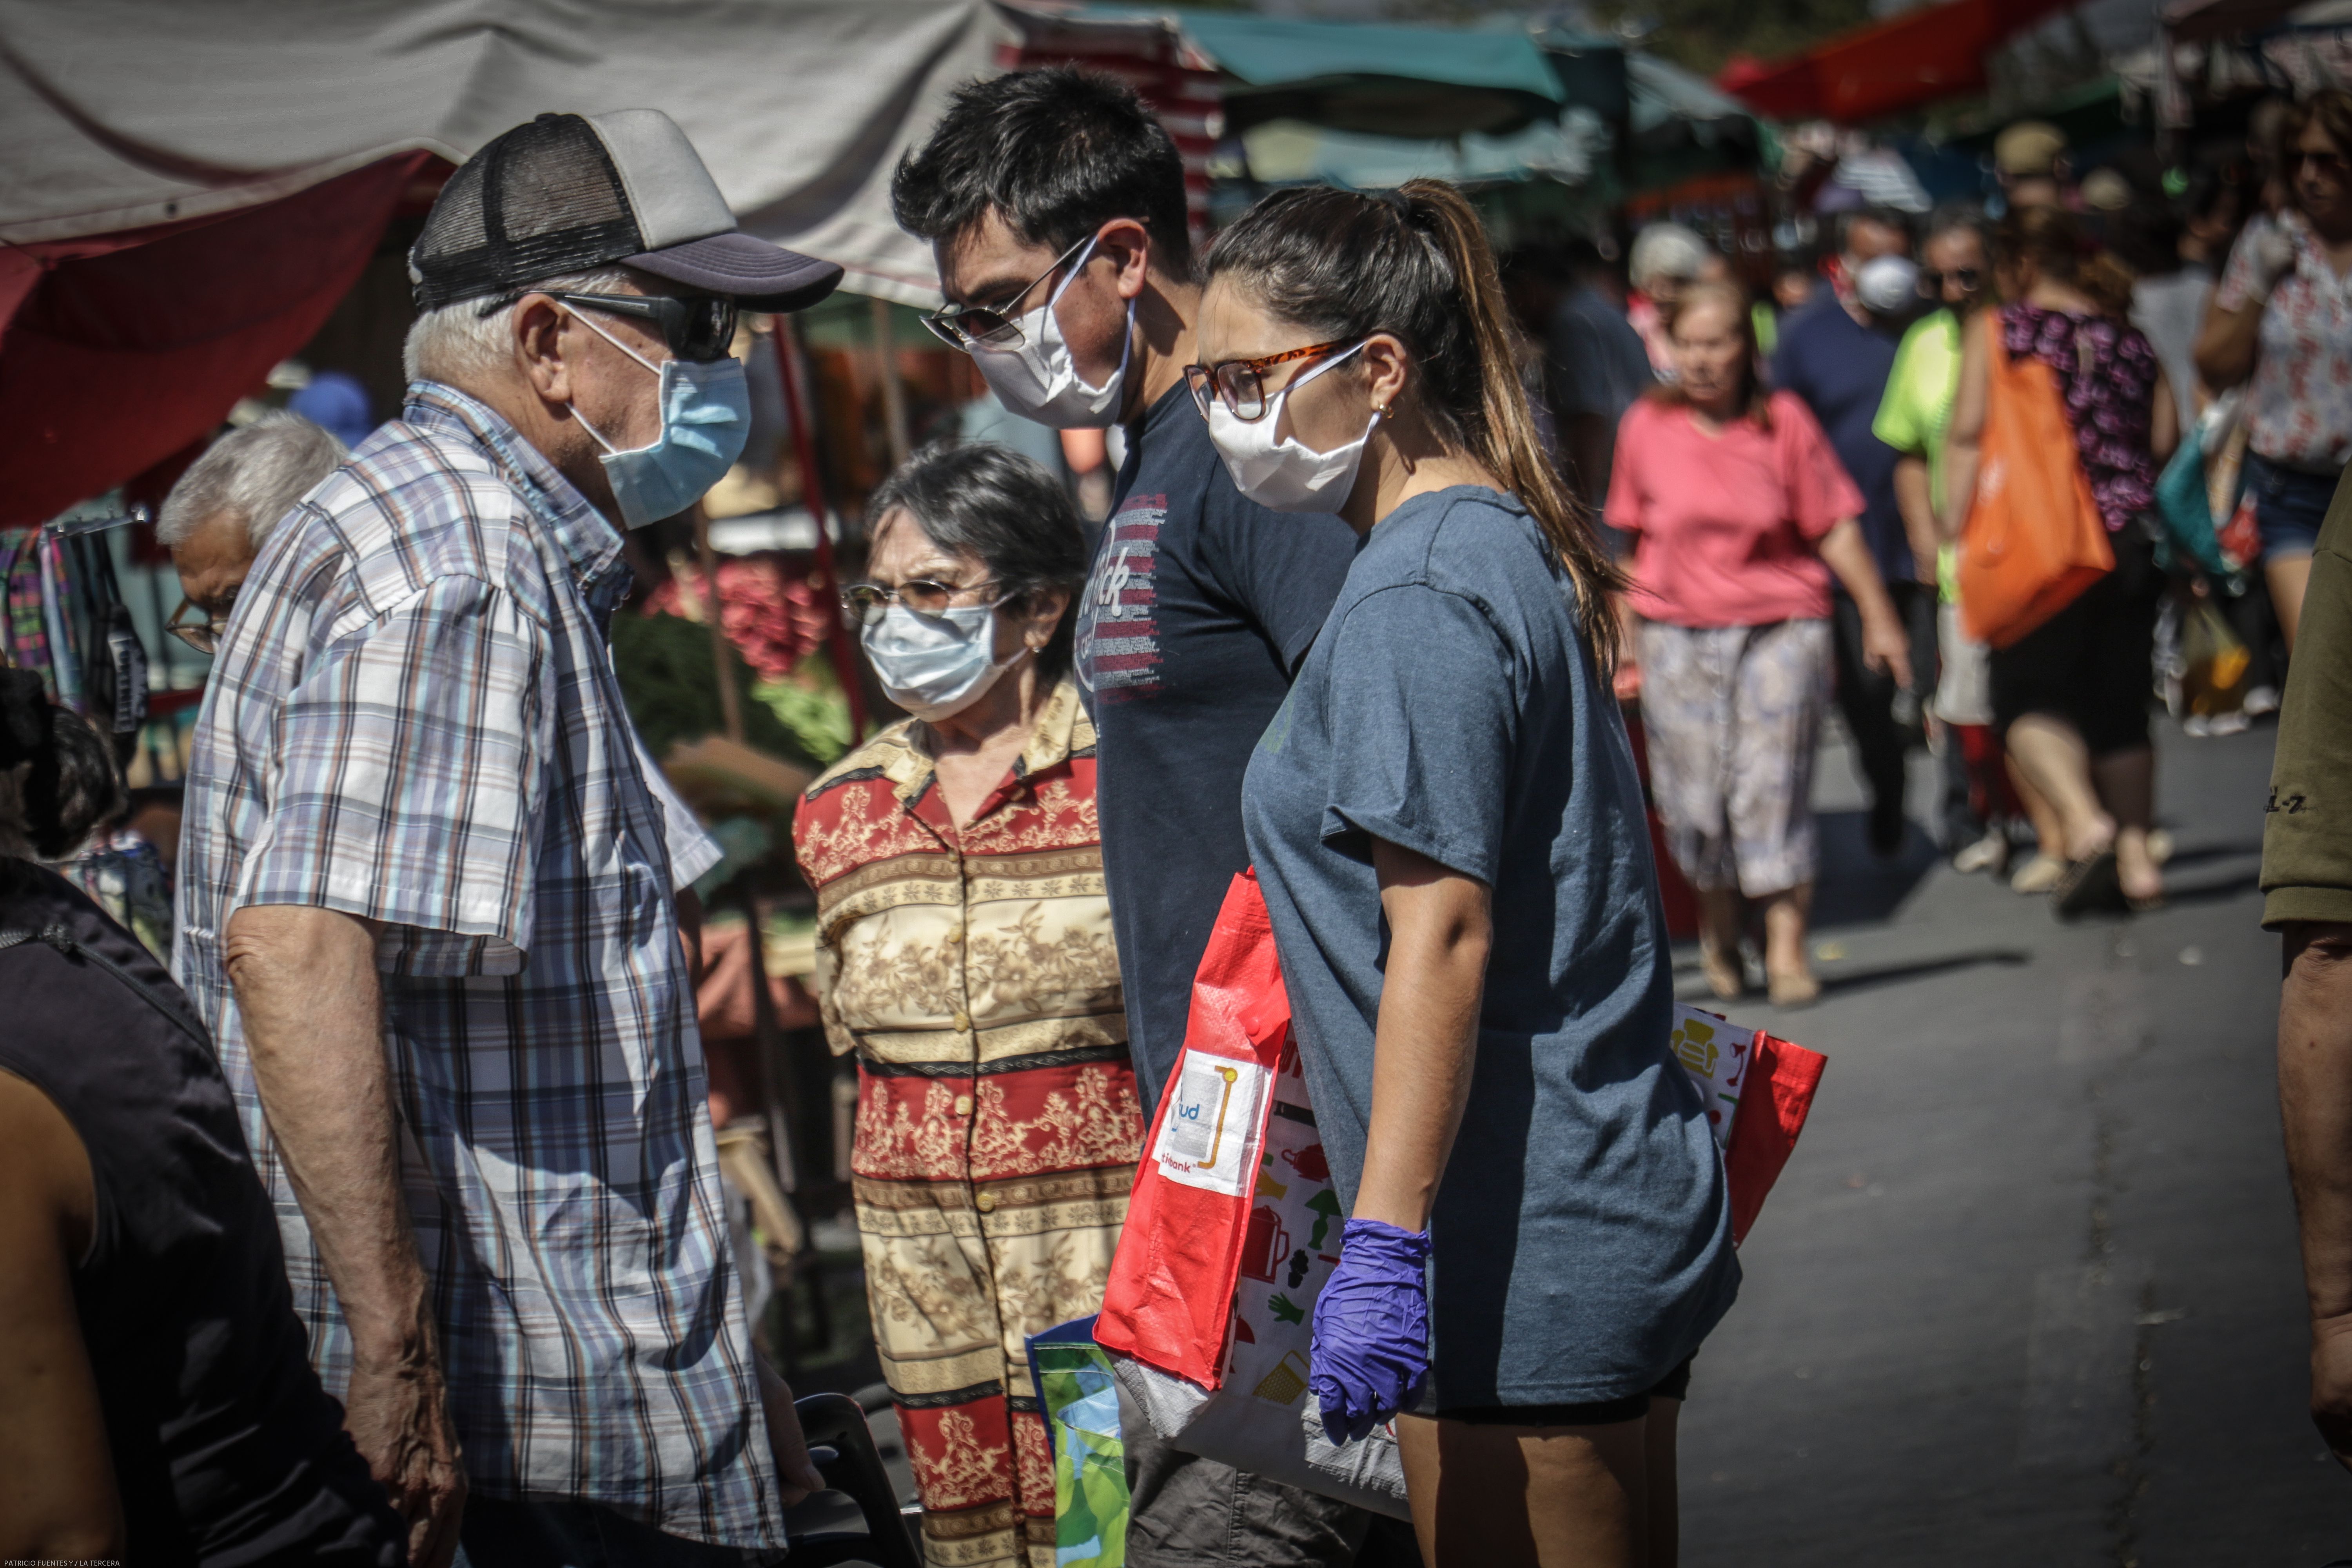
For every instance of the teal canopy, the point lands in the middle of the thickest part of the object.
(1374, 79)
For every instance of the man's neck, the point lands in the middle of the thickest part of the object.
(1164, 315)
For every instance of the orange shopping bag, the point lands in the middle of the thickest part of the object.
(2034, 538)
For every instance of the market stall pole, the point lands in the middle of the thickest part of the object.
(792, 367)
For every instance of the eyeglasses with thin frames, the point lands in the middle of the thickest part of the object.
(1931, 284)
(970, 327)
(868, 602)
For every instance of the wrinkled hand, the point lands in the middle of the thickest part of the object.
(1371, 1352)
(1885, 646)
(2331, 1385)
(794, 1468)
(398, 1415)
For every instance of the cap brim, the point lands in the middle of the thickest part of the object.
(750, 271)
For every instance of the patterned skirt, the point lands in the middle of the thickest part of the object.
(1732, 715)
(989, 1208)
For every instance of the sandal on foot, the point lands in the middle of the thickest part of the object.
(1725, 975)
(2037, 875)
(2090, 883)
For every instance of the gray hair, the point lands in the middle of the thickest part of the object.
(459, 346)
(1666, 250)
(258, 472)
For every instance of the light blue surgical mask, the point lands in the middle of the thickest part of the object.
(706, 417)
(933, 666)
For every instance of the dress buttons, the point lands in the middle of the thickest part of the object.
(985, 1203)
(955, 933)
(963, 1020)
(963, 1105)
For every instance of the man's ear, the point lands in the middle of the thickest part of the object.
(539, 333)
(1128, 244)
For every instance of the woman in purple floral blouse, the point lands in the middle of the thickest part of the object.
(2070, 698)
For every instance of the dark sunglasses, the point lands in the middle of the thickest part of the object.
(1240, 384)
(970, 327)
(1931, 284)
(699, 328)
(2329, 164)
(868, 602)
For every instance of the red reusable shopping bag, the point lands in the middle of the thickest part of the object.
(1777, 1098)
(1170, 1293)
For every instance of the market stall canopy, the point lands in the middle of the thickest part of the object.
(190, 190)
(1378, 79)
(1291, 152)
(2202, 21)
(117, 114)
(1922, 55)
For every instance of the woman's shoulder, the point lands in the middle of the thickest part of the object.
(1793, 422)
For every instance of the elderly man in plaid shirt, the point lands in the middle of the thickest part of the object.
(426, 886)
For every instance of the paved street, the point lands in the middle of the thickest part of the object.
(2028, 1292)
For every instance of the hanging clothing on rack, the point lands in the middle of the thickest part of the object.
(57, 597)
(26, 630)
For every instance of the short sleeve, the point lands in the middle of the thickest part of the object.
(2308, 833)
(1820, 492)
(1282, 568)
(1622, 511)
(407, 782)
(691, 851)
(2237, 285)
(1423, 715)
(1900, 422)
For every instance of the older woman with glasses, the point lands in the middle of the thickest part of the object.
(965, 956)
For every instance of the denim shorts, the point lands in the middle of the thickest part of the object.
(2289, 506)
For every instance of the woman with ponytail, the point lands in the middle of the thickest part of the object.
(2070, 698)
(1449, 830)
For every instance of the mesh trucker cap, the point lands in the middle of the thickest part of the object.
(567, 193)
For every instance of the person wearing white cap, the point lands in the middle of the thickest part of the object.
(1666, 258)
(429, 885)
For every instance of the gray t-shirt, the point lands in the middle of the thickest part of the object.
(1582, 1242)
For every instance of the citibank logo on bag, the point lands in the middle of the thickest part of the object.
(1209, 1138)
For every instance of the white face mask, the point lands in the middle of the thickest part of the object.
(1284, 475)
(1038, 379)
(934, 666)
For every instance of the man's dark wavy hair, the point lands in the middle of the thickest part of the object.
(1059, 153)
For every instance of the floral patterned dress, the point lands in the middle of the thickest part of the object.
(2106, 372)
(973, 973)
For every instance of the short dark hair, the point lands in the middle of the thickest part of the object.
(1059, 153)
(1885, 217)
(992, 502)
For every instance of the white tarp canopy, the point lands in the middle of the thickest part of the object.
(116, 114)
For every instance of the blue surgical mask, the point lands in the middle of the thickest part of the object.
(933, 666)
(706, 417)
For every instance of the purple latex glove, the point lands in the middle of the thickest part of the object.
(1372, 1329)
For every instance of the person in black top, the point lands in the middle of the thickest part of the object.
(157, 1404)
(1055, 207)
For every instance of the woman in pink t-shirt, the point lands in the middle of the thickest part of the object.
(1740, 512)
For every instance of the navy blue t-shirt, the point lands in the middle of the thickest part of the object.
(1199, 608)
(1581, 1240)
(1840, 368)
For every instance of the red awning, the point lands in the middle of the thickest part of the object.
(1934, 52)
(120, 350)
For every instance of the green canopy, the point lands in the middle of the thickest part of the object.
(1369, 78)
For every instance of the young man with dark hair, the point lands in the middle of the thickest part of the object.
(1054, 205)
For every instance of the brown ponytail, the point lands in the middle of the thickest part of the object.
(1414, 262)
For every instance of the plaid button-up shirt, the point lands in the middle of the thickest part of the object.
(413, 718)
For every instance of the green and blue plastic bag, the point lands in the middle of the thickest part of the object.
(1079, 1396)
